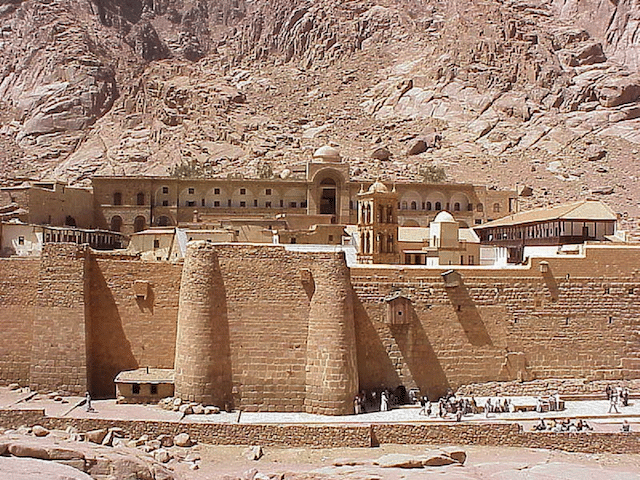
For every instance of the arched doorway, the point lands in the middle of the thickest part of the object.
(116, 224)
(328, 192)
(139, 224)
(164, 221)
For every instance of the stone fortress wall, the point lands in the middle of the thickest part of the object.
(292, 331)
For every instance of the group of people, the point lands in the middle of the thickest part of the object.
(375, 400)
(616, 396)
(551, 404)
(566, 425)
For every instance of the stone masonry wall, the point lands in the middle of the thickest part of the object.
(126, 331)
(497, 435)
(580, 319)
(59, 348)
(18, 292)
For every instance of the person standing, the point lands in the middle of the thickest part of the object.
(88, 406)
(384, 401)
(613, 403)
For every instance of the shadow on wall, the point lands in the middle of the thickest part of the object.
(468, 315)
(375, 368)
(108, 350)
(550, 281)
(420, 358)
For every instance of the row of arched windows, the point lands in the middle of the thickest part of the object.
(117, 198)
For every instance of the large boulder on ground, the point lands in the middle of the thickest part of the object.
(14, 468)
(96, 436)
(182, 440)
(40, 431)
(614, 91)
(399, 460)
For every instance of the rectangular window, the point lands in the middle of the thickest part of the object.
(135, 388)
(267, 191)
(156, 244)
(267, 204)
(165, 203)
(243, 191)
(20, 240)
(281, 203)
(216, 203)
(165, 190)
(243, 204)
(192, 191)
(191, 203)
(255, 203)
(202, 202)
(331, 238)
(216, 191)
(293, 205)
(154, 389)
(229, 203)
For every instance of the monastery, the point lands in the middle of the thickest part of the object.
(305, 327)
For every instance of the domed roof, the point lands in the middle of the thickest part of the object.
(327, 154)
(378, 187)
(444, 217)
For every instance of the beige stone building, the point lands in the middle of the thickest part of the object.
(321, 187)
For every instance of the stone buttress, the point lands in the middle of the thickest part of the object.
(332, 374)
(202, 362)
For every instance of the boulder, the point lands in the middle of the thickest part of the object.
(165, 440)
(594, 153)
(458, 454)
(381, 153)
(614, 91)
(40, 431)
(96, 436)
(417, 147)
(602, 190)
(399, 460)
(253, 453)
(182, 440)
(33, 449)
(14, 386)
(162, 455)
(33, 469)
(198, 410)
(185, 409)
(437, 459)
(208, 410)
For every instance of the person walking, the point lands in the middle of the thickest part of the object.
(613, 403)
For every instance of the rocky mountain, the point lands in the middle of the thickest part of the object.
(543, 94)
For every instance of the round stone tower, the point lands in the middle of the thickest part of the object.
(202, 362)
(332, 373)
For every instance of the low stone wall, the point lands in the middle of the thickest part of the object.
(564, 386)
(315, 436)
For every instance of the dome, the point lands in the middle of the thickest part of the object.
(378, 187)
(327, 154)
(444, 217)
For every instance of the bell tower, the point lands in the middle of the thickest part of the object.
(378, 225)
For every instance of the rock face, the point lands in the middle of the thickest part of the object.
(217, 88)
(31, 469)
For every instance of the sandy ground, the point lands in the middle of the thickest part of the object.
(482, 463)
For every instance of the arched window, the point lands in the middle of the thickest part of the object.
(414, 206)
(117, 198)
(139, 224)
(140, 198)
(404, 205)
(496, 208)
(116, 223)
(438, 206)
(456, 207)
(470, 207)
(429, 206)
(480, 207)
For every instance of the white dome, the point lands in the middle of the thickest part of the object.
(378, 187)
(444, 217)
(327, 154)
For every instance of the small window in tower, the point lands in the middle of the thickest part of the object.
(192, 191)
(135, 388)
(331, 238)
(267, 191)
(216, 191)
(293, 205)
(229, 203)
(202, 202)
(191, 203)
(243, 204)
(165, 190)
(243, 191)
(267, 204)
(156, 243)
(255, 202)
(281, 203)
(303, 204)
(20, 240)
(216, 203)
(165, 203)
(154, 389)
